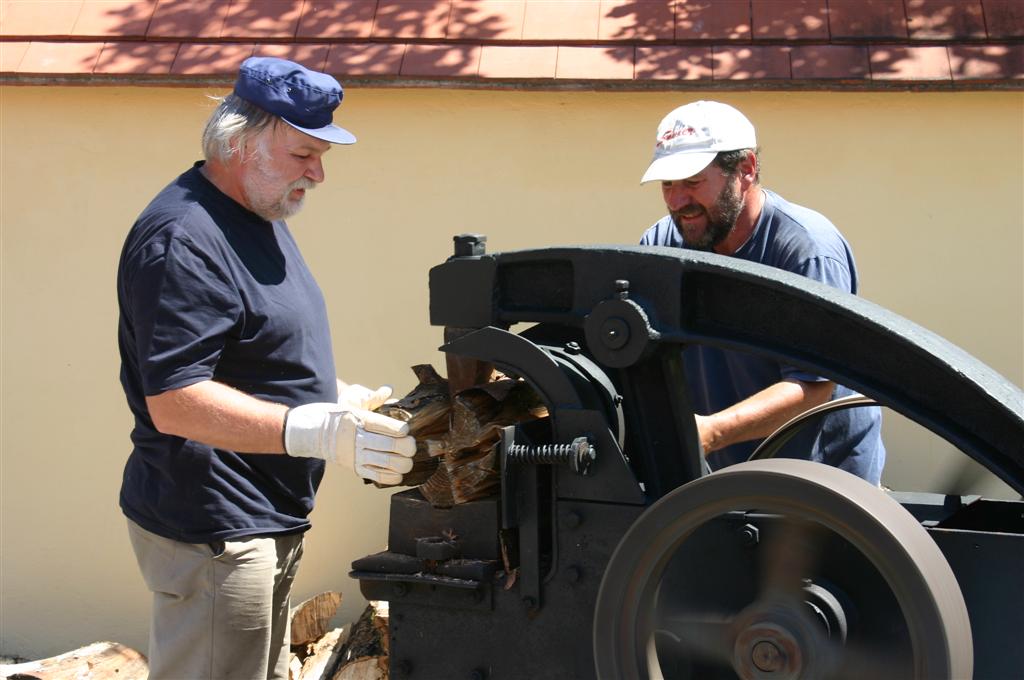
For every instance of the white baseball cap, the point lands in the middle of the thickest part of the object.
(691, 136)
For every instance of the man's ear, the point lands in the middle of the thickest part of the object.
(747, 170)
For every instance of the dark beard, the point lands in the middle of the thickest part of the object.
(721, 219)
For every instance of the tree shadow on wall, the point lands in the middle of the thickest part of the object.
(753, 40)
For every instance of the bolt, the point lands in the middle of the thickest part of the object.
(573, 348)
(401, 589)
(469, 245)
(616, 333)
(749, 535)
(621, 289)
(767, 657)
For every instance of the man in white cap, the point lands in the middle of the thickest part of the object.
(227, 366)
(707, 161)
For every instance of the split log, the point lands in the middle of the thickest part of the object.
(469, 466)
(426, 409)
(311, 618)
(98, 661)
(367, 646)
(324, 655)
(370, 668)
(456, 436)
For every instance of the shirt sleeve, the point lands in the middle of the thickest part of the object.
(185, 309)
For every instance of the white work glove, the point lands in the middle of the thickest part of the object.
(357, 397)
(376, 447)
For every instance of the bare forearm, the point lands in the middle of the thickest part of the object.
(219, 416)
(761, 414)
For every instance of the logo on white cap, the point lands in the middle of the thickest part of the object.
(691, 136)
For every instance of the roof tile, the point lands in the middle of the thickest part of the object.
(874, 19)
(370, 59)
(1004, 18)
(77, 58)
(187, 20)
(337, 19)
(11, 54)
(247, 19)
(487, 20)
(973, 43)
(986, 62)
(34, 18)
(595, 63)
(210, 59)
(713, 20)
(753, 62)
(499, 61)
(137, 58)
(412, 18)
(671, 62)
(636, 20)
(902, 62)
(458, 61)
(830, 62)
(120, 18)
(943, 19)
(568, 20)
(311, 56)
(789, 19)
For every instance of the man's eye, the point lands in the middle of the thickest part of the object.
(302, 156)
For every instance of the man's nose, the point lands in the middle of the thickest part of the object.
(677, 197)
(315, 170)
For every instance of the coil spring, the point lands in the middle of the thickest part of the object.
(578, 455)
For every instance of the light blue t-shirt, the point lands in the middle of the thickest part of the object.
(804, 242)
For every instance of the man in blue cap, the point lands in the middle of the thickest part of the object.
(707, 162)
(227, 366)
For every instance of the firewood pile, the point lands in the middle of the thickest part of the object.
(456, 435)
(356, 651)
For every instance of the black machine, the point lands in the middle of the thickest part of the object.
(630, 559)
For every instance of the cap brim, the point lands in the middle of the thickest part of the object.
(328, 133)
(678, 166)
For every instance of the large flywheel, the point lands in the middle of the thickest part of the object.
(780, 569)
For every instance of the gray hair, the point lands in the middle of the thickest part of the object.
(729, 161)
(235, 120)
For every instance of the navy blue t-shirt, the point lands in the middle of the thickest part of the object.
(799, 240)
(210, 291)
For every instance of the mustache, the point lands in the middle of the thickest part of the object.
(302, 183)
(689, 211)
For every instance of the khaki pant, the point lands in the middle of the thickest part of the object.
(219, 610)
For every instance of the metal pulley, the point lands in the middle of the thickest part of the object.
(618, 331)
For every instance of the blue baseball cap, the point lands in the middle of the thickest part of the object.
(302, 98)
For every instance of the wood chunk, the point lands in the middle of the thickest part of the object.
(294, 667)
(369, 637)
(426, 409)
(324, 655)
(438, 489)
(311, 618)
(456, 459)
(368, 668)
(98, 661)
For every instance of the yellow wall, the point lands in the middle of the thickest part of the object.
(926, 186)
